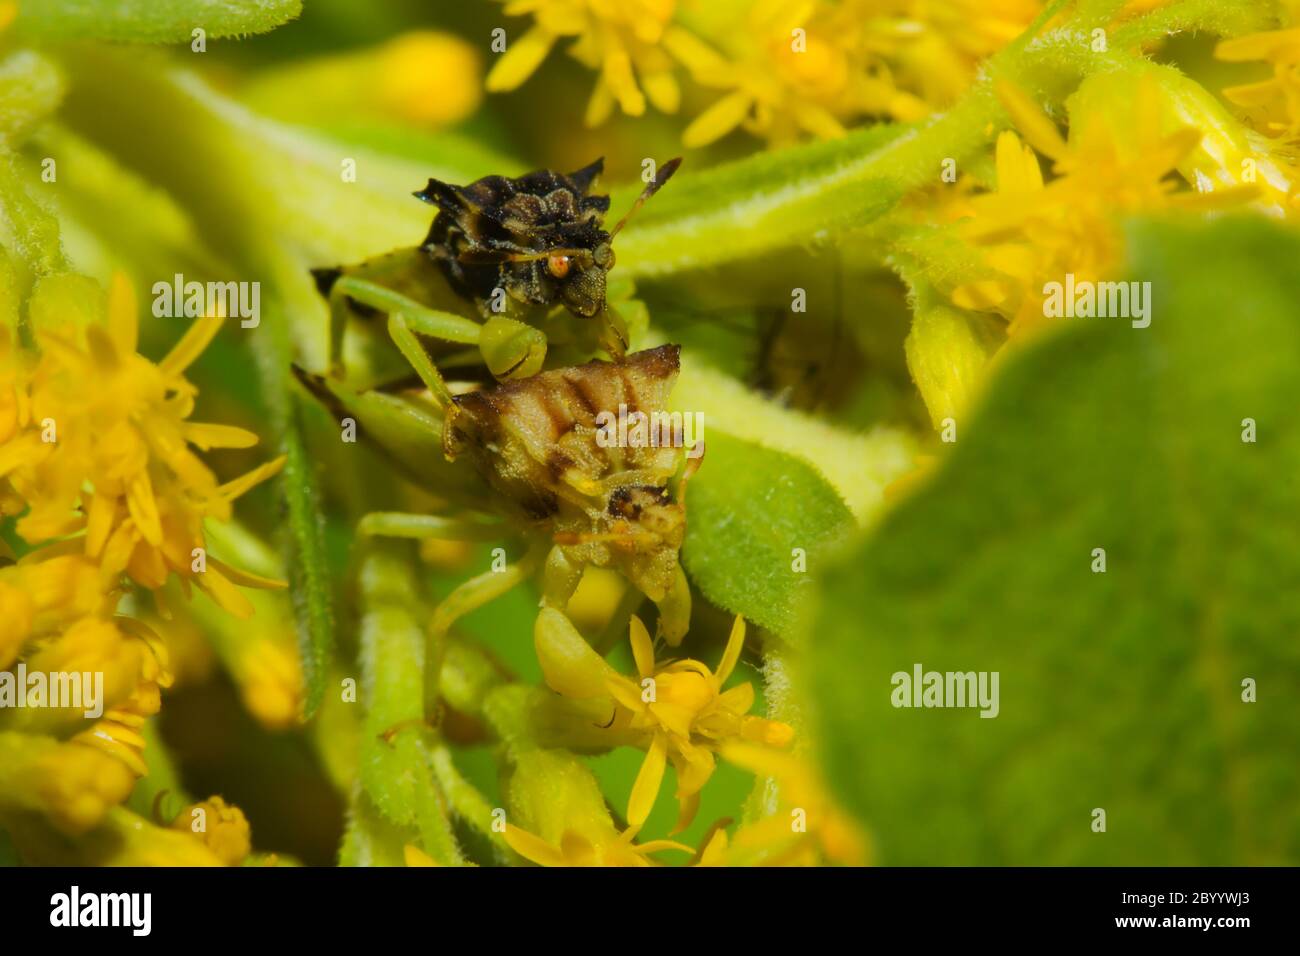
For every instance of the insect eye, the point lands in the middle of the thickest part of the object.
(557, 266)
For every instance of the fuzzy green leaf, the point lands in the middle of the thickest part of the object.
(750, 508)
(153, 21)
(1122, 690)
(762, 202)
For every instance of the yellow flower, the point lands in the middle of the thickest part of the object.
(1032, 232)
(574, 849)
(221, 826)
(129, 840)
(106, 453)
(565, 819)
(423, 77)
(260, 654)
(803, 825)
(813, 67)
(120, 731)
(44, 593)
(786, 70)
(678, 711)
(74, 786)
(1274, 103)
(270, 679)
(687, 714)
(618, 38)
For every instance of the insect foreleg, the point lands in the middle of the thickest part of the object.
(614, 336)
(349, 289)
(560, 578)
(400, 332)
(675, 609)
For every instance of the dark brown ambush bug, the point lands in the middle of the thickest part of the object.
(514, 247)
(539, 238)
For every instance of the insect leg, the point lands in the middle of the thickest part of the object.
(400, 332)
(675, 609)
(512, 349)
(468, 597)
(613, 334)
(432, 322)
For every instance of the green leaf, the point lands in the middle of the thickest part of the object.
(304, 539)
(309, 580)
(773, 479)
(795, 196)
(330, 201)
(33, 231)
(765, 201)
(858, 465)
(153, 21)
(1119, 690)
(749, 508)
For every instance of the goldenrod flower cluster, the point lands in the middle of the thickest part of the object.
(779, 70)
(101, 478)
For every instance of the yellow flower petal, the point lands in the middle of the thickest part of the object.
(123, 320)
(233, 489)
(196, 338)
(1018, 169)
(642, 649)
(414, 856)
(705, 64)
(207, 436)
(246, 579)
(662, 90)
(143, 508)
(520, 60)
(688, 807)
(532, 847)
(1029, 118)
(738, 700)
(600, 105)
(735, 644)
(675, 718)
(99, 523)
(718, 120)
(648, 781)
(214, 584)
(617, 73)
(1259, 46)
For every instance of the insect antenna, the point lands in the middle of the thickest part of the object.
(664, 173)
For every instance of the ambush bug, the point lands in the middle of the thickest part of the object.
(516, 248)
(577, 501)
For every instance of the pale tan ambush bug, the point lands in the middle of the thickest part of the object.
(536, 442)
(517, 248)
(536, 445)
